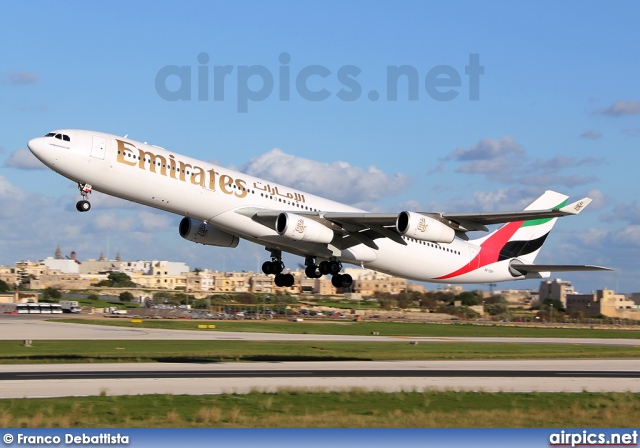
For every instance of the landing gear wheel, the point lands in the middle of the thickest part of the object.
(83, 206)
(284, 280)
(324, 268)
(342, 281)
(312, 271)
(272, 267)
(346, 280)
(277, 267)
(266, 268)
(334, 267)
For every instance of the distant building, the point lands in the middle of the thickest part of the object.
(367, 282)
(516, 296)
(66, 266)
(603, 302)
(556, 289)
(8, 275)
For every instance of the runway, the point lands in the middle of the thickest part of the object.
(54, 380)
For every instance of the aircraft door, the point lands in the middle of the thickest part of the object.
(474, 260)
(98, 147)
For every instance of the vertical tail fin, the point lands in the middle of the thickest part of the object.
(523, 239)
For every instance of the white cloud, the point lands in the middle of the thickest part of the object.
(598, 199)
(619, 108)
(154, 221)
(503, 199)
(630, 235)
(631, 132)
(592, 237)
(21, 78)
(112, 221)
(591, 134)
(489, 149)
(505, 161)
(23, 159)
(624, 212)
(338, 180)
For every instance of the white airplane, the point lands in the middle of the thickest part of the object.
(220, 206)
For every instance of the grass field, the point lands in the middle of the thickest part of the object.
(14, 352)
(353, 408)
(348, 327)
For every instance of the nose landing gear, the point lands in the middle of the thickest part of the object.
(84, 205)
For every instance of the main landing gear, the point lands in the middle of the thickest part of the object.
(328, 267)
(84, 205)
(276, 266)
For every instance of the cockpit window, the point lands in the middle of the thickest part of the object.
(64, 137)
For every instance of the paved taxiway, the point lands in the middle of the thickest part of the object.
(17, 328)
(49, 380)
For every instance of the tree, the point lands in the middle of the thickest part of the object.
(51, 293)
(467, 298)
(126, 296)
(496, 309)
(246, 298)
(555, 303)
(117, 280)
(405, 300)
(4, 287)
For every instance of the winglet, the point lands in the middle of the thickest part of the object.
(576, 207)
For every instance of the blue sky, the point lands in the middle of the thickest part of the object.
(558, 107)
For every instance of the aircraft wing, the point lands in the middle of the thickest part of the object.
(524, 268)
(458, 221)
(363, 227)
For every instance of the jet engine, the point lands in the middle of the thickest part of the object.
(300, 228)
(423, 228)
(199, 232)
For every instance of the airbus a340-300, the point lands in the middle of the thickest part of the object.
(221, 206)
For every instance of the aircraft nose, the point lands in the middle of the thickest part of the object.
(36, 145)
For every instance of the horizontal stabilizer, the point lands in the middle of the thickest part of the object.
(557, 268)
(576, 207)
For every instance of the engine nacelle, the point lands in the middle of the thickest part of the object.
(299, 228)
(423, 228)
(199, 232)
